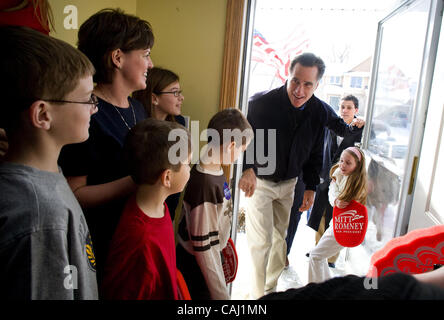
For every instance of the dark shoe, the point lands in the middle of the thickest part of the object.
(331, 265)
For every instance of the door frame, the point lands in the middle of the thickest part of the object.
(422, 215)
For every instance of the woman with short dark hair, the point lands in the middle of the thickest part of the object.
(119, 47)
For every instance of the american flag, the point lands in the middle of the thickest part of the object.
(278, 55)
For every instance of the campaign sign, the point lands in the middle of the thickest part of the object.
(230, 261)
(350, 224)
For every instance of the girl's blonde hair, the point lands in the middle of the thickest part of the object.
(356, 185)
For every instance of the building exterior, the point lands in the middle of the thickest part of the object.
(338, 83)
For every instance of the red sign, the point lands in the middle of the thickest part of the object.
(350, 224)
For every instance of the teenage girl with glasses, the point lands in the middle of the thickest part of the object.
(163, 99)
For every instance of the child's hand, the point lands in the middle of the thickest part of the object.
(341, 204)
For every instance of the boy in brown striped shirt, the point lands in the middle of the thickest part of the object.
(205, 221)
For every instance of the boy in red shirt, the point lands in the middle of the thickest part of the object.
(141, 263)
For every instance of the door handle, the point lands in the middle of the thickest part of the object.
(413, 174)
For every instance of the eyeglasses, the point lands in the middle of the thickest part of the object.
(176, 93)
(93, 100)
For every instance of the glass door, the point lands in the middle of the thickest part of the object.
(401, 78)
(428, 202)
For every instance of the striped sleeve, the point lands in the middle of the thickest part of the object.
(206, 245)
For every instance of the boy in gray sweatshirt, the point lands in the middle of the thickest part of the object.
(45, 248)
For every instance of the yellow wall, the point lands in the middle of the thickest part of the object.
(189, 40)
(85, 9)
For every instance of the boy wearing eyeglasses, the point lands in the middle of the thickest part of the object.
(45, 247)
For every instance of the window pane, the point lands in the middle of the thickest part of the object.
(334, 103)
(396, 85)
(356, 82)
(398, 75)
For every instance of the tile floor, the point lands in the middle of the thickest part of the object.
(351, 261)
